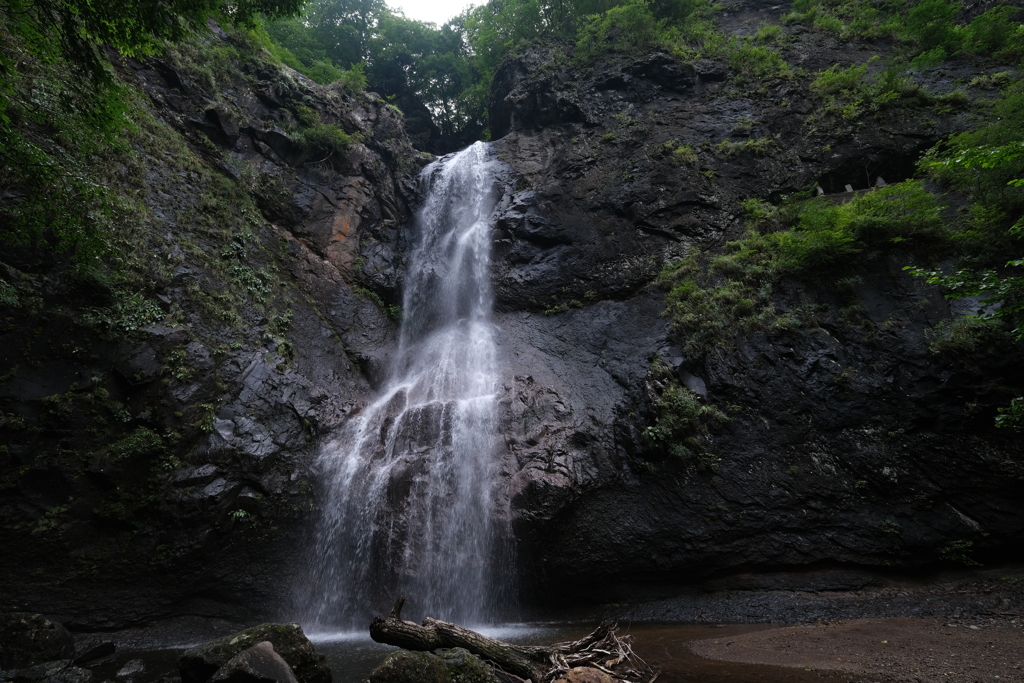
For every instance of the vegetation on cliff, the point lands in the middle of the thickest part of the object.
(145, 290)
(131, 217)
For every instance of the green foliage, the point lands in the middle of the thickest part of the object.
(682, 153)
(758, 62)
(127, 314)
(968, 337)
(928, 31)
(756, 146)
(8, 295)
(930, 24)
(56, 130)
(959, 552)
(354, 78)
(887, 526)
(683, 423)
(987, 163)
(141, 443)
(51, 520)
(712, 299)
(1012, 416)
(76, 30)
(328, 138)
(325, 138)
(849, 19)
(628, 28)
(849, 93)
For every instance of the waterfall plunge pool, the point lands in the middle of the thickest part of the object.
(353, 655)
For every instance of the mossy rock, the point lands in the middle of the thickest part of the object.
(405, 666)
(465, 667)
(198, 664)
(447, 666)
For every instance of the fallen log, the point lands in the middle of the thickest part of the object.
(603, 649)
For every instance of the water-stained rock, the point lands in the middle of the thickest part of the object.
(257, 664)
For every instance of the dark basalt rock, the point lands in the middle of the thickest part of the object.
(58, 671)
(848, 444)
(27, 639)
(410, 667)
(200, 664)
(445, 666)
(519, 102)
(257, 664)
(198, 489)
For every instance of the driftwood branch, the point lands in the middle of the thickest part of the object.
(603, 649)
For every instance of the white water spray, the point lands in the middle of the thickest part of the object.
(408, 482)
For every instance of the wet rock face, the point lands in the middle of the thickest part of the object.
(848, 443)
(257, 664)
(163, 466)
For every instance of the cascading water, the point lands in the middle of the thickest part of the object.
(408, 504)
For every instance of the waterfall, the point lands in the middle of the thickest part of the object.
(408, 504)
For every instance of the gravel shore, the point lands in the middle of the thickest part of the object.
(896, 650)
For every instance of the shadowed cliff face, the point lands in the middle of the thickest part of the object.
(159, 465)
(156, 461)
(848, 441)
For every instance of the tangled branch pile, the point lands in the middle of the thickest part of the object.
(603, 650)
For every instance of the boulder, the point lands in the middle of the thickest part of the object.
(465, 667)
(456, 665)
(133, 667)
(257, 664)
(405, 666)
(199, 664)
(27, 639)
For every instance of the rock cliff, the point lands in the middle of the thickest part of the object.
(845, 442)
(156, 456)
(159, 416)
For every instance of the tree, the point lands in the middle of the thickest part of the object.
(75, 30)
(989, 165)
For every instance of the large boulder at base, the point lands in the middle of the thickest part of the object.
(258, 664)
(199, 664)
(456, 665)
(410, 667)
(27, 639)
(466, 667)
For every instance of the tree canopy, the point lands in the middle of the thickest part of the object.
(75, 29)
